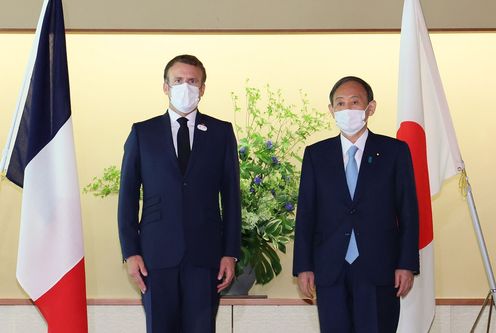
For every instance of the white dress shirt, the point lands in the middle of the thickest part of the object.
(175, 126)
(360, 144)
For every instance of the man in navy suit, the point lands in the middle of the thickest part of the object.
(181, 252)
(356, 236)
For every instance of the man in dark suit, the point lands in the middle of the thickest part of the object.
(182, 251)
(356, 236)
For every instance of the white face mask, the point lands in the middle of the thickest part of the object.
(184, 97)
(350, 121)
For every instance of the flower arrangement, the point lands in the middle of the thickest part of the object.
(270, 140)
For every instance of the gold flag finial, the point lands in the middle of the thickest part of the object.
(463, 182)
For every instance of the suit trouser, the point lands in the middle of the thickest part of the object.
(354, 304)
(181, 299)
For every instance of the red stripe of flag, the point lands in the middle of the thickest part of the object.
(413, 134)
(64, 305)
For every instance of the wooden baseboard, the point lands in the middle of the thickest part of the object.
(254, 300)
(459, 301)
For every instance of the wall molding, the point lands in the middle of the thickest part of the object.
(254, 300)
(246, 31)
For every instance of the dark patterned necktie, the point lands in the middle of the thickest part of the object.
(183, 145)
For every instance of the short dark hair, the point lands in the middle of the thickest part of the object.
(365, 85)
(186, 59)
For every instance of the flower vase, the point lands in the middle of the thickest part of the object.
(242, 284)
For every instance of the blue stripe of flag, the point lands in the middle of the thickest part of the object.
(47, 105)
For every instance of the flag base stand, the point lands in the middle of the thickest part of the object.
(491, 296)
(489, 301)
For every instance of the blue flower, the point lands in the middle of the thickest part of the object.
(242, 150)
(252, 190)
(269, 144)
(257, 180)
(275, 160)
(289, 206)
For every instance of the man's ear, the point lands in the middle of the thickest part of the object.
(166, 88)
(371, 108)
(331, 109)
(202, 89)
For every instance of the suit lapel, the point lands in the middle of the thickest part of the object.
(198, 141)
(170, 151)
(366, 165)
(335, 159)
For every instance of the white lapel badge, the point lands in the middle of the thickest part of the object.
(202, 127)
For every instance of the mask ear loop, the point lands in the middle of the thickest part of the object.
(365, 111)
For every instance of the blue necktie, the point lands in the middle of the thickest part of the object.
(351, 179)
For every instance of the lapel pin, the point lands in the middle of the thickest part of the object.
(370, 158)
(202, 127)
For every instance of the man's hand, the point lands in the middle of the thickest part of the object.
(306, 283)
(403, 280)
(136, 269)
(226, 273)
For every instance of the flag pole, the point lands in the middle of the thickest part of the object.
(491, 296)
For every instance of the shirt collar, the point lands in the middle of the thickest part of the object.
(360, 143)
(174, 117)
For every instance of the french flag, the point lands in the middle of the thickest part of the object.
(40, 158)
(425, 124)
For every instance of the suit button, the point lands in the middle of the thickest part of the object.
(352, 211)
(185, 184)
(347, 233)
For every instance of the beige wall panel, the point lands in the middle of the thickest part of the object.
(254, 14)
(239, 319)
(116, 79)
(287, 319)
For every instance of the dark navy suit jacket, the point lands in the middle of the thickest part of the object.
(383, 213)
(194, 217)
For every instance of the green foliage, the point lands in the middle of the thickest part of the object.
(105, 185)
(270, 140)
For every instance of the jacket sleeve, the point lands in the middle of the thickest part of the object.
(407, 211)
(129, 195)
(305, 218)
(231, 198)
